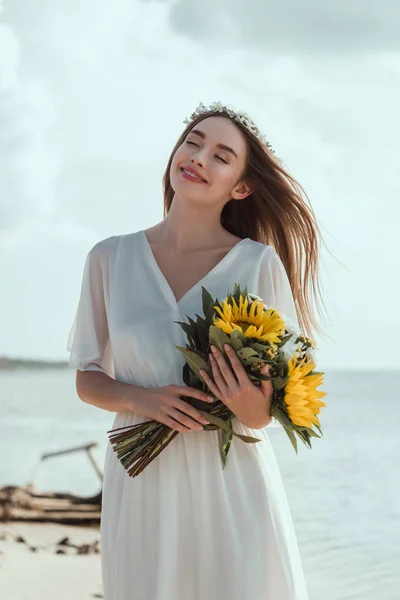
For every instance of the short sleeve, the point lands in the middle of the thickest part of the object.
(274, 288)
(89, 339)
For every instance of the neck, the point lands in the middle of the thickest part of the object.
(190, 226)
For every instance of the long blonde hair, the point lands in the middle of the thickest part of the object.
(277, 213)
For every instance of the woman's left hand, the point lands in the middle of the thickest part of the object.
(232, 385)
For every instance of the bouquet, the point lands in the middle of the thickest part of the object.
(260, 335)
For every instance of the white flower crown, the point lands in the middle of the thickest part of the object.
(237, 115)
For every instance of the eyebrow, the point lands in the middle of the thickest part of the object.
(222, 146)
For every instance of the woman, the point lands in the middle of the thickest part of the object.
(185, 529)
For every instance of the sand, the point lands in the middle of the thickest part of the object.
(31, 569)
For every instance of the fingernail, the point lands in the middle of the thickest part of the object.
(210, 398)
(227, 347)
(213, 349)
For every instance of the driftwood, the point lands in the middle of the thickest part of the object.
(27, 503)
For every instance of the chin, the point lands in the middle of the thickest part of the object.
(187, 189)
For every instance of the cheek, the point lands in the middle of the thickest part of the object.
(180, 154)
(224, 177)
(175, 162)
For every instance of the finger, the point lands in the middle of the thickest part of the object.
(210, 384)
(266, 385)
(190, 410)
(184, 419)
(194, 393)
(228, 376)
(237, 366)
(218, 378)
(175, 425)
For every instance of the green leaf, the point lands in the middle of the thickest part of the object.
(218, 337)
(208, 305)
(319, 428)
(292, 438)
(280, 382)
(202, 330)
(258, 347)
(237, 340)
(248, 356)
(226, 440)
(247, 353)
(237, 292)
(284, 339)
(187, 328)
(194, 339)
(313, 433)
(224, 425)
(194, 361)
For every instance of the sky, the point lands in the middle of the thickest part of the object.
(93, 96)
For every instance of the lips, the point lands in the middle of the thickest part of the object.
(190, 170)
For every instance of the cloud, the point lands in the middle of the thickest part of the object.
(92, 99)
(290, 28)
(28, 165)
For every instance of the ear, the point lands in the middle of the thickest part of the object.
(242, 190)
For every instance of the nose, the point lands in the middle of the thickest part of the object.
(198, 158)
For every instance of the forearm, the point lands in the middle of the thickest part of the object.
(98, 389)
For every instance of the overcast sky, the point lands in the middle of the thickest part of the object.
(92, 99)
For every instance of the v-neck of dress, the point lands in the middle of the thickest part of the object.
(163, 280)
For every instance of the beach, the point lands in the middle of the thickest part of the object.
(342, 493)
(35, 566)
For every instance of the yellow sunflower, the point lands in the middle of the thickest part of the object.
(265, 325)
(301, 394)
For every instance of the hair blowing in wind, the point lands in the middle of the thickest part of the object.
(277, 213)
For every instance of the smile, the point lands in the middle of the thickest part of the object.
(191, 176)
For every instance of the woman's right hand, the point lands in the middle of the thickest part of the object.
(163, 404)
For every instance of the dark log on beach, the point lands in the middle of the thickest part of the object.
(29, 504)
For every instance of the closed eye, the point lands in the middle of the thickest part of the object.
(216, 155)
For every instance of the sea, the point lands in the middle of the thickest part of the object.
(343, 493)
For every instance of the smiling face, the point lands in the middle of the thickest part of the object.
(216, 151)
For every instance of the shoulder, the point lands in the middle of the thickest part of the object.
(266, 259)
(264, 252)
(107, 248)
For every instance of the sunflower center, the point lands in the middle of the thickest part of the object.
(243, 324)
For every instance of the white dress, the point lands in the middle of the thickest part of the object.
(184, 529)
